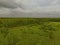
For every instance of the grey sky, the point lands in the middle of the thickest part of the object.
(20, 7)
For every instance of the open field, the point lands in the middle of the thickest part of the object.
(29, 31)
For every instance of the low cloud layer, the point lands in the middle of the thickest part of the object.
(29, 8)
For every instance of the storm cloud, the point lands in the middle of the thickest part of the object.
(29, 8)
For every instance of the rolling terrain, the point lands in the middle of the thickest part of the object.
(29, 31)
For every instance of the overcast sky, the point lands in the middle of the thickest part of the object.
(29, 8)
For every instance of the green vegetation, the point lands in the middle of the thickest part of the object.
(29, 31)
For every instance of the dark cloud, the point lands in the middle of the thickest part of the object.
(8, 4)
(27, 4)
(29, 8)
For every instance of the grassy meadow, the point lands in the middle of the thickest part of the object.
(29, 31)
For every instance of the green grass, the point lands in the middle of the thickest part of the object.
(29, 31)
